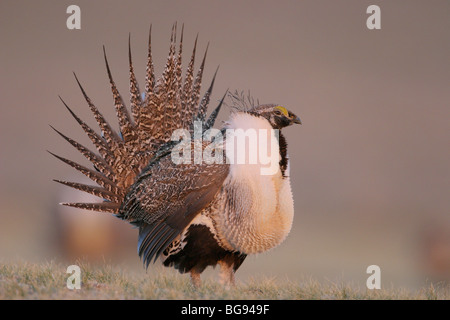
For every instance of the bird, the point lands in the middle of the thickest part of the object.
(195, 214)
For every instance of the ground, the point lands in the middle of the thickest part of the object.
(24, 280)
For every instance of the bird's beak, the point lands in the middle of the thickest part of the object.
(295, 119)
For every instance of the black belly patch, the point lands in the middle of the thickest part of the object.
(201, 250)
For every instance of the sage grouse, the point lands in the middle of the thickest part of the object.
(192, 214)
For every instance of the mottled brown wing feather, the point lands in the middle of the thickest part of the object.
(166, 198)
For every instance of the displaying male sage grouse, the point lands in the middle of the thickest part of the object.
(192, 213)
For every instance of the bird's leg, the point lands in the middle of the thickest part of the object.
(226, 273)
(195, 278)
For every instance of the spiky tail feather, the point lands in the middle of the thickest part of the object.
(169, 103)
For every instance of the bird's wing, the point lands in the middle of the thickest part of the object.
(166, 198)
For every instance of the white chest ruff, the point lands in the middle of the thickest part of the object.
(259, 209)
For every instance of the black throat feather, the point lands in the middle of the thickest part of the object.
(283, 153)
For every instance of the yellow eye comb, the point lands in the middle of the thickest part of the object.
(283, 110)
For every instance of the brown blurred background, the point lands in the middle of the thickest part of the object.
(370, 164)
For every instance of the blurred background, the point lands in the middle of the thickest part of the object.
(369, 166)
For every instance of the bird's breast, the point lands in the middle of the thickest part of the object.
(257, 212)
(255, 207)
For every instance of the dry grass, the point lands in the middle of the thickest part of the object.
(24, 280)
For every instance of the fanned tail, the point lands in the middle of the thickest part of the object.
(169, 103)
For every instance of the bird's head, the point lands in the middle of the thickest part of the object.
(278, 116)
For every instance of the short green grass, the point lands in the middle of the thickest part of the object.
(23, 280)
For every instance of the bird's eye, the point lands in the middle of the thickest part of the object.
(278, 112)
